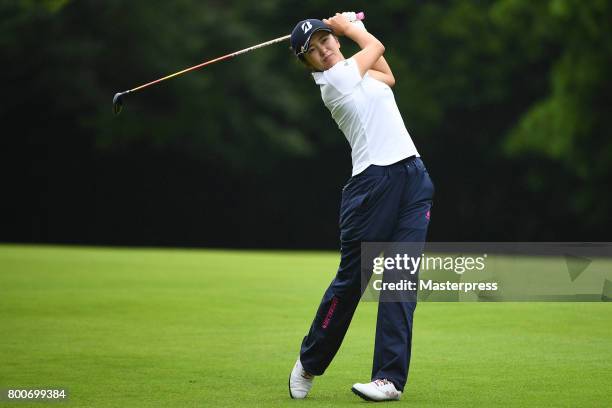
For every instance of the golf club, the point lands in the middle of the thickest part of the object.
(118, 98)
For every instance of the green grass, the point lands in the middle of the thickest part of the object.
(191, 328)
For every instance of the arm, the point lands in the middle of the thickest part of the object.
(371, 49)
(382, 71)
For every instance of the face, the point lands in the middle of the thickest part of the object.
(323, 52)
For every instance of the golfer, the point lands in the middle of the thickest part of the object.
(387, 199)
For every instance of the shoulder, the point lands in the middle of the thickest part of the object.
(343, 76)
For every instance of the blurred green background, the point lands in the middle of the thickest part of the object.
(508, 102)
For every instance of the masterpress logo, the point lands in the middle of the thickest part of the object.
(492, 272)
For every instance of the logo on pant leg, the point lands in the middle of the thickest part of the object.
(428, 215)
(330, 313)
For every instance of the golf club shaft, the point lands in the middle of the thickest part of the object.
(351, 16)
(228, 56)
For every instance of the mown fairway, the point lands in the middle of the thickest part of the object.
(193, 328)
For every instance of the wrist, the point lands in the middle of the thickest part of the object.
(359, 24)
(351, 30)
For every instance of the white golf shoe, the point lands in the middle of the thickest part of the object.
(300, 382)
(377, 390)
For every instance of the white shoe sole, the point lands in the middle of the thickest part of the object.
(367, 398)
(362, 395)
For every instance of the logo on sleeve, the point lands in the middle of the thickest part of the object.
(306, 27)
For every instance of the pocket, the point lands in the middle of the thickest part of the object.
(347, 185)
(359, 206)
(369, 198)
(365, 200)
(359, 195)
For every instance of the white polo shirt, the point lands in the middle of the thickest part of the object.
(366, 112)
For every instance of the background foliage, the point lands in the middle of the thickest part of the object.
(508, 101)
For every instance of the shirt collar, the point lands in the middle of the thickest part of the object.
(319, 78)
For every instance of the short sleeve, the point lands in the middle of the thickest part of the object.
(344, 76)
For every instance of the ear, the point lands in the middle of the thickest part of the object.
(337, 40)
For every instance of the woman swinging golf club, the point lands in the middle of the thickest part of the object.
(387, 199)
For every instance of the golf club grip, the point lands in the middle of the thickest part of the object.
(353, 16)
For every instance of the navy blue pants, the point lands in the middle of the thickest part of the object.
(381, 204)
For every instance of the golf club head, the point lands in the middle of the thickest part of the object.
(118, 103)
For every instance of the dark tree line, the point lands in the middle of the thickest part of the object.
(508, 101)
